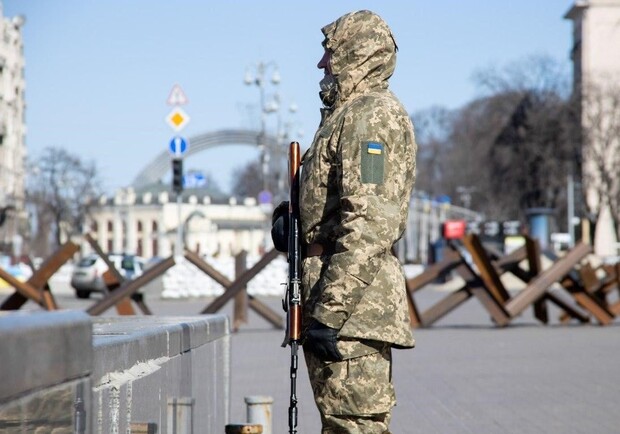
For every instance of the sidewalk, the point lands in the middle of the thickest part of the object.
(464, 376)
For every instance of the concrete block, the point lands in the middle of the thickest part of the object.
(143, 363)
(46, 360)
(64, 408)
(42, 349)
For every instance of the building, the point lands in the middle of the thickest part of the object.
(12, 134)
(596, 40)
(146, 221)
(596, 75)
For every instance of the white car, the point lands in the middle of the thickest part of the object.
(87, 274)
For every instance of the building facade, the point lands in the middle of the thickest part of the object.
(146, 223)
(596, 81)
(12, 133)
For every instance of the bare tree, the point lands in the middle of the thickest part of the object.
(508, 150)
(454, 147)
(600, 102)
(249, 182)
(61, 188)
(532, 156)
(538, 74)
(526, 126)
(474, 131)
(432, 129)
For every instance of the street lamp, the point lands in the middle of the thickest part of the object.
(465, 193)
(285, 127)
(258, 79)
(284, 135)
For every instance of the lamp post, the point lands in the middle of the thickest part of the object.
(258, 79)
(285, 136)
(465, 193)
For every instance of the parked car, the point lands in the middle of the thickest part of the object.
(87, 274)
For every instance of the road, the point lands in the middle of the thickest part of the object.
(464, 376)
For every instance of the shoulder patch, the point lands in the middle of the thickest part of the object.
(372, 162)
(375, 148)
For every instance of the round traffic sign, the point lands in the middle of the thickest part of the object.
(177, 146)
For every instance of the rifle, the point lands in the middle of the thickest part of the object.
(293, 284)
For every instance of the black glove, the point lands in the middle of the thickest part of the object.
(321, 341)
(279, 227)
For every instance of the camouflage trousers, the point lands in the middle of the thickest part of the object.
(355, 395)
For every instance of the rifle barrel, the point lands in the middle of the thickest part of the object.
(292, 410)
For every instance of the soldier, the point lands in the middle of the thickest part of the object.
(356, 181)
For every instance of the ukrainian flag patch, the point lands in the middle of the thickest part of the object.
(372, 162)
(375, 148)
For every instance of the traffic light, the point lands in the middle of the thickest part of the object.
(177, 175)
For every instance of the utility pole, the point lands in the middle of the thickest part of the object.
(570, 208)
(265, 197)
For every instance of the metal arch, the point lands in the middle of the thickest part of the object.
(157, 168)
(186, 223)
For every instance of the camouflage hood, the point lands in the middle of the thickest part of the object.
(363, 52)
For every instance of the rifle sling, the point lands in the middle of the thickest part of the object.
(316, 249)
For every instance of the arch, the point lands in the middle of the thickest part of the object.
(157, 168)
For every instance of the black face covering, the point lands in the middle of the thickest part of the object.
(329, 90)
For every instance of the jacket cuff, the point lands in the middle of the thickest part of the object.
(331, 319)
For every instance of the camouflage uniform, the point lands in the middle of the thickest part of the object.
(356, 182)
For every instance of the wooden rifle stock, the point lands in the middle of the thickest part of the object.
(294, 250)
(294, 279)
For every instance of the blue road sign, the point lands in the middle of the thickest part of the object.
(194, 180)
(178, 146)
(265, 197)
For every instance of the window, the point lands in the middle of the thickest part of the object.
(87, 261)
(127, 263)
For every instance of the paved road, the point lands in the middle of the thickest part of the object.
(464, 376)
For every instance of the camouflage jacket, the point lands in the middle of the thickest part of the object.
(356, 181)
